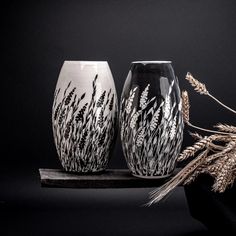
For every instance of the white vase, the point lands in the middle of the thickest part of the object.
(84, 115)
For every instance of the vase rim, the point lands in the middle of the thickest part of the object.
(151, 62)
(87, 63)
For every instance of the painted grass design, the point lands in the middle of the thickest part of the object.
(151, 135)
(84, 132)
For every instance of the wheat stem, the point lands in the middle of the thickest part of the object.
(201, 88)
(221, 103)
(206, 130)
(216, 147)
(229, 147)
(211, 146)
(160, 193)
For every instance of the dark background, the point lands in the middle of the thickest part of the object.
(198, 36)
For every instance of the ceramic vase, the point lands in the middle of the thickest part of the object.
(84, 115)
(151, 124)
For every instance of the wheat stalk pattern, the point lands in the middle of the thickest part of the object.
(84, 132)
(151, 132)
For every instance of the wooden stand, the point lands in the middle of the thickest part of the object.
(111, 178)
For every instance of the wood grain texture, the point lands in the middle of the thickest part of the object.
(111, 178)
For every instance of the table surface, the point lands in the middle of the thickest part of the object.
(26, 207)
(111, 178)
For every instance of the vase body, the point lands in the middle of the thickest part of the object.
(84, 115)
(151, 123)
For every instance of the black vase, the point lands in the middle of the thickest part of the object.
(151, 123)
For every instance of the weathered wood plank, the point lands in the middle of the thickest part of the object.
(111, 178)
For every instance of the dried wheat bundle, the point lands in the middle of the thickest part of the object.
(215, 154)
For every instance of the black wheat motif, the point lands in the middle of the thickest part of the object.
(68, 98)
(101, 99)
(102, 138)
(81, 146)
(111, 103)
(68, 128)
(83, 140)
(57, 111)
(100, 119)
(61, 116)
(80, 115)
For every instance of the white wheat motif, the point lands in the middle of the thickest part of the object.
(151, 134)
(122, 130)
(130, 101)
(140, 138)
(167, 107)
(143, 98)
(134, 119)
(173, 128)
(155, 118)
(180, 105)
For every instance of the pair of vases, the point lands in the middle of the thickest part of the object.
(85, 117)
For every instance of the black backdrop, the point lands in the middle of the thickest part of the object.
(37, 36)
(198, 36)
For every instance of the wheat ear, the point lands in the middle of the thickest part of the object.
(196, 135)
(226, 128)
(211, 146)
(225, 173)
(185, 106)
(201, 88)
(198, 86)
(191, 150)
(228, 148)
